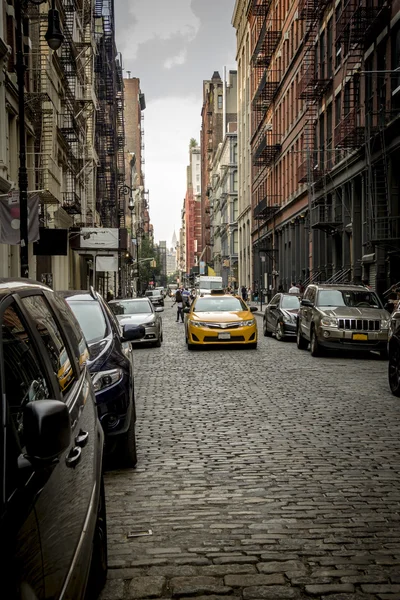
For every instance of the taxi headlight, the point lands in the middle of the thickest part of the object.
(197, 323)
(329, 322)
(247, 323)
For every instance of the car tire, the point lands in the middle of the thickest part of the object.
(279, 332)
(98, 564)
(315, 347)
(300, 340)
(252, 346)
(127, 447)
(157, 344)
(162, 335)
(394, 369)
(383, 354)
(265, 329)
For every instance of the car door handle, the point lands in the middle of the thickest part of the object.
(73, 457)
(82, 438)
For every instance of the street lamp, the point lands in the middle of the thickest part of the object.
(54, 38)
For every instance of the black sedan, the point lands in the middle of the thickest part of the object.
(280, 316)
(394, 352)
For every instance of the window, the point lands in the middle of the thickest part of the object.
(235, 181)
(52, 340)
(395, 79)
(91, 319)
(235, 242)
(220, 101)
(329, 49)
(322, 55)
(73, 331)
(338, 109)
(24, 378)
(235, 154)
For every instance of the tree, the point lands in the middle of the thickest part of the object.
(146, 271)
(193, 143)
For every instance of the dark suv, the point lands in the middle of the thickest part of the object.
(342, 316)
(53, 522)
(111, 366)
(394, 352)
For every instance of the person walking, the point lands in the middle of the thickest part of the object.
(179, 304)
(186, 297)
(244, 293)
(294, 289)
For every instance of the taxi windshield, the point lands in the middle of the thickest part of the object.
(223, 304)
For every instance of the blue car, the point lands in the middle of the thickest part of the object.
(111, 368)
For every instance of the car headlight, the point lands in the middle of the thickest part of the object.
(198, 323)
(289, 318)
(151, 324)
(247, 323)
(329, 322)
(385, 323)
(104, 379)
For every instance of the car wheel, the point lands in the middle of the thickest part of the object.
(301, 341)
(157, 344)
(252, 346)
(279, 332)
(394, 370)
(315, 347)
(128, 454)
(383, 354)
(162, 335)
(265, 329)
(98, 564)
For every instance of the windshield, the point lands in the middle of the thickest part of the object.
(215, 304)
(290, 302)
(130, 307)
(91, 319)
(210, 285)
(361, 298)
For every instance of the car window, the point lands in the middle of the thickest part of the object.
(130, 307)
(275, 299)
(357, 298)
(290, 302)
(219, 304)
(91, 319)
(52, 339)
(25, 379)
(73, 330)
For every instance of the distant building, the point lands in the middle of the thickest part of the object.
(193, 207)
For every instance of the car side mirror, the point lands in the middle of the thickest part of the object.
(130, 332)
(306, 303)
(253, 308)
(186, 310)
(159, 309)
(47, 429)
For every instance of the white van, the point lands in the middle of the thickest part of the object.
(206, 283)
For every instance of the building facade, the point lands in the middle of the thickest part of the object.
(240, 22)
(324, 117)
(193, 226)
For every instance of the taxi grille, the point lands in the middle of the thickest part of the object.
(233, 339)
(223, 325)
(360, 324)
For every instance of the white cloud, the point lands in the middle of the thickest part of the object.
(177, 60)
(169, 124)
(158, 19)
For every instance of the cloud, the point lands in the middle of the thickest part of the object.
(177, 60)
(155, 20)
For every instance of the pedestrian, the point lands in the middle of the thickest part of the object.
(186, 297)
(179, 304)
(294, 289)
(244, 293)
(110, 295)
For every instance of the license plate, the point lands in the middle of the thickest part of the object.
(362, 337)
(224, 336)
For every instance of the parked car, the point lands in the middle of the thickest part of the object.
(342, 316)
(53, 520)
(111, 367)
(394, 352)
(140, 311)
(220, 318)
(155, 297)
(280, 316)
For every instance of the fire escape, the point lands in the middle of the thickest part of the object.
(107, 202)
(264, 84)
(120, 140)
(357, 26)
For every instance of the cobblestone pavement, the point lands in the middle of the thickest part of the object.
(263, 474)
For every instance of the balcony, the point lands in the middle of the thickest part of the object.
(260, 8)
(264, 212)
(323, 218)
(68, 126)
(266, 91)
(357, 23)
(350, 133)
(385, 229)
(309, 170)
(314, 82)
(266, 150)
(72, 203)
(266, 45)
(310, 10)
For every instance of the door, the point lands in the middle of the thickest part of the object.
(65, 502)
(272, 312)
(307, 312)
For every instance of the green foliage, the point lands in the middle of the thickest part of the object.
(146, 272)
(193, 143)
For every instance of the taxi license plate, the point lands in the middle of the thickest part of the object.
(360, 336)
(224, 336)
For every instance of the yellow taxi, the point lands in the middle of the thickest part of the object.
(220, 319)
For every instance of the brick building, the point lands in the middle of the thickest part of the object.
(193, 228)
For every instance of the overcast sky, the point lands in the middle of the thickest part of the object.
(172, 46)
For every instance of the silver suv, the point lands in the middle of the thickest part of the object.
(342, 316)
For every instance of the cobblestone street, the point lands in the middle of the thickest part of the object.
(262, 474)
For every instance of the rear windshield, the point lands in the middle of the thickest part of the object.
(290, 302)
(213, 303)
(131, 307)
(90, 318)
